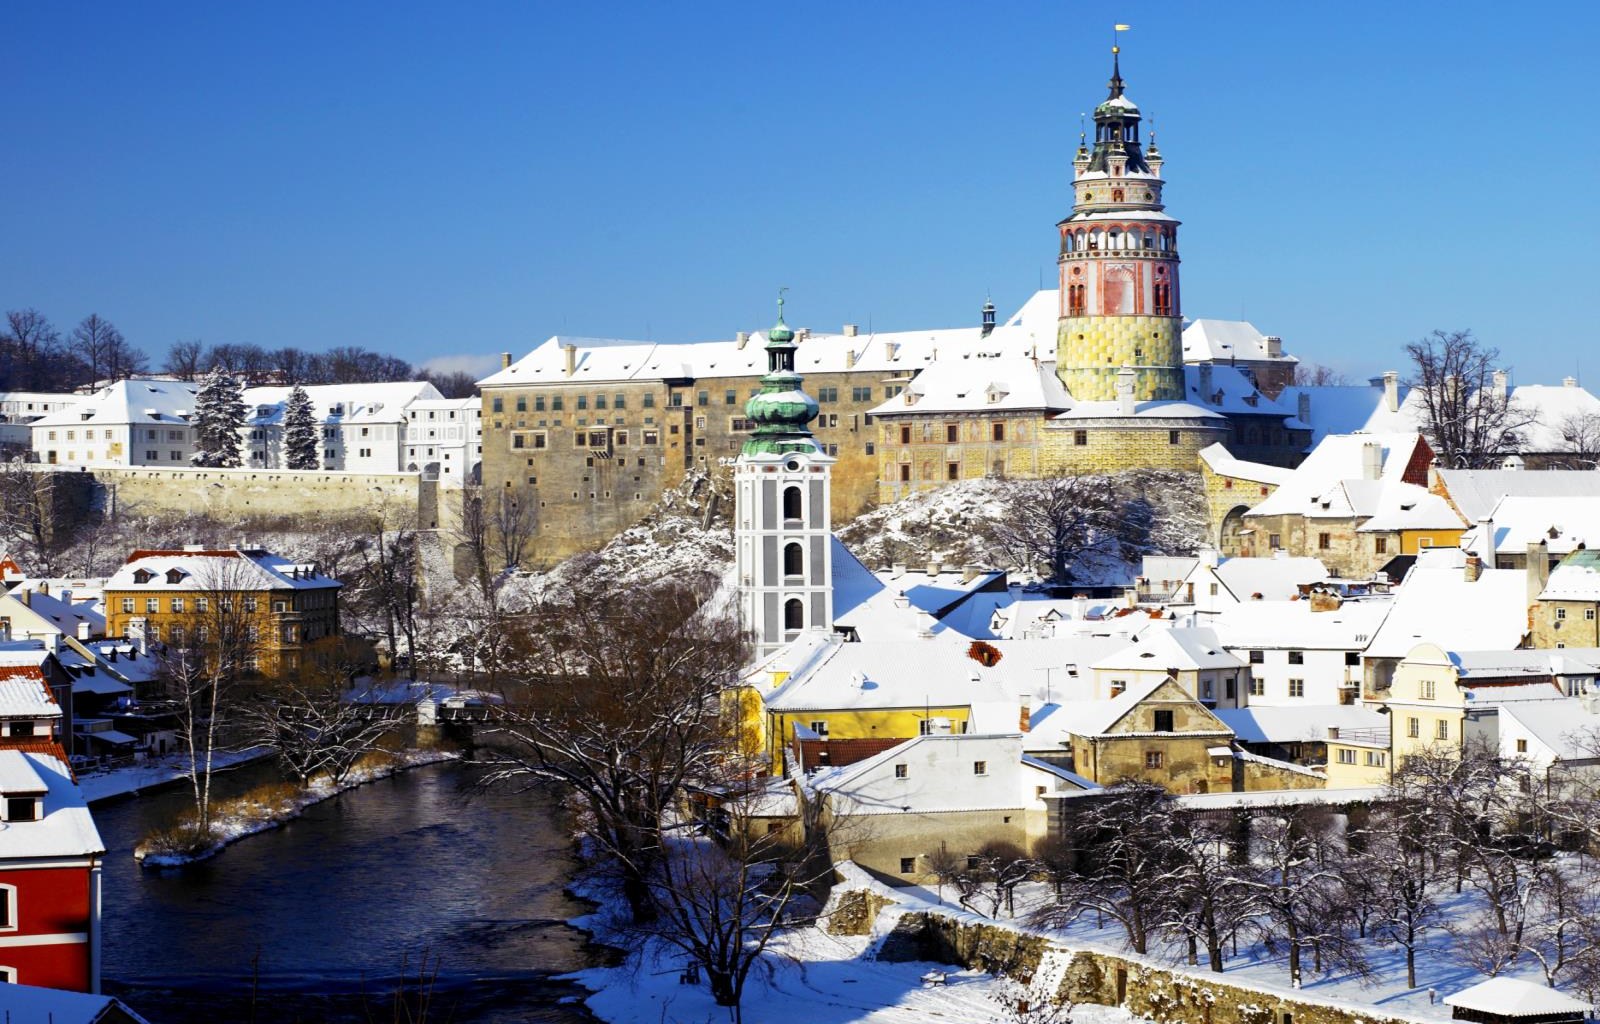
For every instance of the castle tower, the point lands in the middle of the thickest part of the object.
(1119, 265)
(781, 485)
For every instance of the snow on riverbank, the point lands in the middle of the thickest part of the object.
(242, 818)
(158, 771)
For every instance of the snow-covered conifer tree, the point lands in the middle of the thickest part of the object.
(299, 431)
(218, 413)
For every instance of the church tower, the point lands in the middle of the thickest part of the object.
(1119, 265)
(781, 483)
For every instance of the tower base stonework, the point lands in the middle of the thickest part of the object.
(1100, 346)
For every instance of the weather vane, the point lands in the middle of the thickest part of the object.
(781, 290)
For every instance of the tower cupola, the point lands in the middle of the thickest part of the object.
(1116, 130)
(780, 410)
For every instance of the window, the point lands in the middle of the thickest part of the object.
(1154, 758)
(1522, 746)
(908, 865)
(1588, 613)
(249, 604)
(652, 437)
(980, 767)
(1172, 436)
(557, 403)
(792, 507)
(1163, 720)
(1258, 687)
(619, 401)
(1352, 658)
(861, 394)
(905, 472)
(1258, 657)
(902, 771)
(1347, 756)
(1375, 759)
(202, 605)
(599, 401)
(794, 615)
(1080, 437)
(1427, 690)
(1297, 687)
(19, 730)
(1324, 541)
(1444, 729)
(1561, 613)
(1380, 545)
(1414, 728)
(820, 727)
(1297, 657)
(177, 606)
(794, 562)
(997, 431)
(8, 920)
(127, 605)
(22, 808)
(498, 404)
(522, 403)
(152, 605)
(952, 471)
(827, 394)
(1274, 541)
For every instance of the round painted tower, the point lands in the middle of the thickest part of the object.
(1119, 265)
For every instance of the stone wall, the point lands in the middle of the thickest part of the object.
(1110, 445)
(224, 493)
(1167, 995)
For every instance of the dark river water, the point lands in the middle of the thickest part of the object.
(331, 911)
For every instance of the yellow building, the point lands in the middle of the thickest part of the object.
(194, 595)
(1427, 709)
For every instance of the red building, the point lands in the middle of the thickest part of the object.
(50, 851)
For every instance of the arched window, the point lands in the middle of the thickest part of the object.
(794, 560)
(794, 614)
(791, 503)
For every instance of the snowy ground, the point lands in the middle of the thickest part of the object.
(251, 819)
(156, 772)
(815, 978)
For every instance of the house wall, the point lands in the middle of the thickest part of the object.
(914, 452)
(1113, 445)
(54, 902)
(1334, 541)
(877, 723)
(1407, 703)
(1225, 496)
(877, 842)
(1565, 624)
(224, 493)
(1324, 673)
(1363, 772)
(309, 615)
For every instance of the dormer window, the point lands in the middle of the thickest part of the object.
(174, 576)
(142, 576)
(22, 808)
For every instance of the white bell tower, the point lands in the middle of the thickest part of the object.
(782, 484)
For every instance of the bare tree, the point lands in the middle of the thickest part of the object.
(31, 356)
(471, 536)
(105, 353)
(513, 519)
(1469, 421)
(1210, 894)
(1300, 897)
(622, 712)
(1315, 375)
(1392, 877)
(1580, 437)
(186, 359)
(1564, 925)
(31, 526)
(311, 718)
(1053, 521)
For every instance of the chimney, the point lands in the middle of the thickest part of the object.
(1474, 568)
(25, 596)
(1391, 390)
(83, 630)
(52, 642)
(44, 587)
(505, 360)
(850, 359)
(1274, 347)
(741, 339)
(1371, 461)
(571, 352)
(851, 330)
(1208, 557)
(1323, 601)
(925, 625)
(892, 350)
(1486, 541)
(1569, 382)
(1538, 569)
(1206, 383)
(1125, 400)
(1500, 380)
(1025, 714)
(1303, 410)
(897, 569)
(933, 568)
(988, 317)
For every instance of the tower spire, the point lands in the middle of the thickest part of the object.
(1116, 63)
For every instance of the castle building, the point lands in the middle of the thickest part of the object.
(782, 530)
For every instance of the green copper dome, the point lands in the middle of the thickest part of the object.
(780, 410)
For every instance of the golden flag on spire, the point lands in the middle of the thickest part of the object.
(1123, 28)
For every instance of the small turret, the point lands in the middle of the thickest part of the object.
(988, 317)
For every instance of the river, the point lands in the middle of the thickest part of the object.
(332, 909)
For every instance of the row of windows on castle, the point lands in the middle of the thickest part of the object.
(1122, 239)
(202, 605)
(675, 399)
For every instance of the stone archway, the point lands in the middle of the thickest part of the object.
(1235, 537)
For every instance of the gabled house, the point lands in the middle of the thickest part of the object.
(1193, 658)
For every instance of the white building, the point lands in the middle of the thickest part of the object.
(130, 423)
(1301, 653)
(19, 410)
(444, 439)
(362, 426)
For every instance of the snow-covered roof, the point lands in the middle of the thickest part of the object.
(1565, 726)
(1437, 604)
(1562, 523)
(1476, 665)
(1476, 492)
(963, 384)
(1276, 578)
(1221, 462)
(340, 403)
(1302, 722)
(23, 694)
(1334, 479)
(1546, 409)
(1335, 408)
(1222, 340)
(900, 605)
(29, 1004)
(1178, 649)
(1403, 506)
(1576, 578)
(66, 829)
(1259, 625)
(217, 569)
(890, 674)
(1278, 798)
(1112, 409)
(1059, 772)
(1096, 717)
(1513, 997)
(128, 401)
(65, 616)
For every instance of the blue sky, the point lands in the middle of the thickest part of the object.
(457, 180)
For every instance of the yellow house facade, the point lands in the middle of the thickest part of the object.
(1427, 709)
